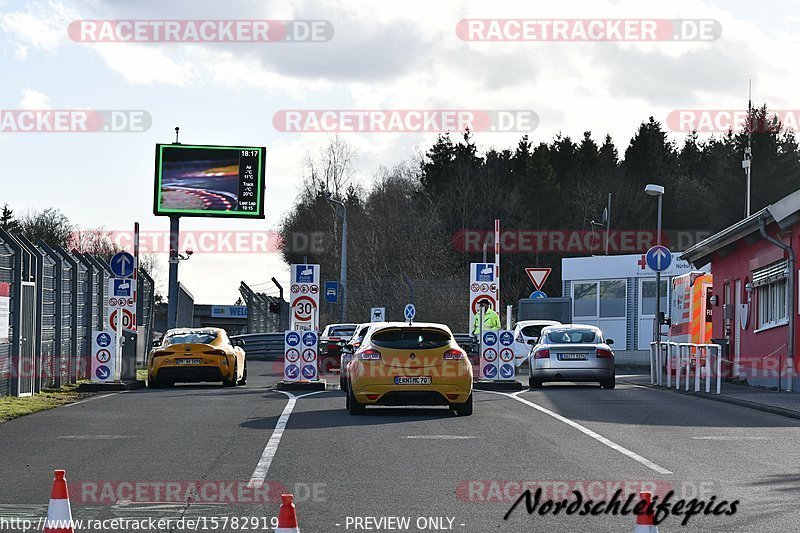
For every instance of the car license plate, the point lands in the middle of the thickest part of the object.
(188, 361)
(412, 380)
(572, 357)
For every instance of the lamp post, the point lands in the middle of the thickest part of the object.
(343, 269)
(657, 190)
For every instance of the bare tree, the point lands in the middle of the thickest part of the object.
(332, 169)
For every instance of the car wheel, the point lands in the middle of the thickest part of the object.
(534, 383)
(243, 381)
(464, 409)
(609, 383)
(353, 407)
(232, 382)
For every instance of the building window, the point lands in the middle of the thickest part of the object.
(771, 300)
(612, 298)
(649, 297)
(585, 299)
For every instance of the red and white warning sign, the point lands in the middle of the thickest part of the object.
(304, 297)
(121, 300)
(482, 284)
(538, 276)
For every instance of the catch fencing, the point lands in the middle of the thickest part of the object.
(50, 301)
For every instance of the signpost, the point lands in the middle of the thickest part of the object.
(538, 276)
(377, 314)
(506, 370)
(482, 285)
(332, 292)
(488, 364)
(304, 297)
(658, 258)
(308, 358)
(291, 357)
(410, 312)
(104, 347)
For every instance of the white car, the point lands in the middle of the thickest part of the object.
(526, 334)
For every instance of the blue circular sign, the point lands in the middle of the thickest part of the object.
(103, 340)
(506, 338)
(292, 371)
(538, 294)
(490, 371)
(309, 338)
(292, 338)
(122, 264)
(102, 372)
(658, 258)
(490, 338)
(506, 371)
(410, 312)
(309, 371)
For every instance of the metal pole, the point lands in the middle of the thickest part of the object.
(343, 272)
(172, 294)
(282, 326)
(657, 325)
(608, 223)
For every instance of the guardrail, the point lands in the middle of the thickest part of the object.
(665, 355)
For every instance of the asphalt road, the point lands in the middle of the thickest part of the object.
(442, 472)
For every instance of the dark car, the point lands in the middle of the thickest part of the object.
(329, 344)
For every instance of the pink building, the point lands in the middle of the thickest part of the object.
(755, 293)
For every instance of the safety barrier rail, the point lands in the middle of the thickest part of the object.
(674, 357)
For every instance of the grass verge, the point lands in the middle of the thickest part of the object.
(12, 407)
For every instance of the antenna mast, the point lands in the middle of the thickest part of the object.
(748, 152)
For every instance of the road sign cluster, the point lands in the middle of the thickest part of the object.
(483, 284)
(301, 355)
(304, 297)
(103, 356)
(497, 355)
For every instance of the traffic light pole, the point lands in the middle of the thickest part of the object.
(172, 294)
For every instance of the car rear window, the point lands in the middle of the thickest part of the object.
(411, 338)
(572, 336)
(532, 331)
(341, 332)
(193, 337)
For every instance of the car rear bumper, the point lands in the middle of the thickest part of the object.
(413, 395)
(572, 374)
(191, 374)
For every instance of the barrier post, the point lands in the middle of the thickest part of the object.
(708, 368)
(658, 364)
(652, 363)
(669, 365)
(697, 351)
(719, 367)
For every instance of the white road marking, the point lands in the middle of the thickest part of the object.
(92, 398)
(440, 437)
(95, 437)
(586, 431)
(262, 468)
(729, 437)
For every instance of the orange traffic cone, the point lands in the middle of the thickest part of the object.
(645, 522)
(59, 514)
(287, 518)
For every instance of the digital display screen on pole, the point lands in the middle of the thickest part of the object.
(211, 181)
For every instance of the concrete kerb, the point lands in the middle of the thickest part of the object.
(788, 413)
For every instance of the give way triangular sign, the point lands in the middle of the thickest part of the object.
(538, 276)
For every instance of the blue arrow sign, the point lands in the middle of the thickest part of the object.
(538, 294)
(292, 371)
(102, 372)
(658, 258)
(309, 372)
(506, 371)
(122, 264)
(410, 312)
(490, 371)
(332, 292)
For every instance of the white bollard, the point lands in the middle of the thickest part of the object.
(697, 369)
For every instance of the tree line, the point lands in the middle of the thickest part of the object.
(409, 220)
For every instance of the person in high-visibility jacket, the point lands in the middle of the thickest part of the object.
(491, 320)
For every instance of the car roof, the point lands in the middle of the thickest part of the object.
(572, 326)
(525, 323)
(182, 331)
(345, 325)
(383, 325)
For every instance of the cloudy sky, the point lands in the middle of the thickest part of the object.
(383, 55)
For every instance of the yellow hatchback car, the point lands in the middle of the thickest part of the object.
(410, 364)
(195, 355)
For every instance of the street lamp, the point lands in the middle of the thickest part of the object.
(657, 190)
(343, 270)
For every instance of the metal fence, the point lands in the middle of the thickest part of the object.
(54, 299)
(260, 319)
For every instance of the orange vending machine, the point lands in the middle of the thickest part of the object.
(690, 318)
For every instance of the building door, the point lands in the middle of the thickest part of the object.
(736, 328)
(26, 369)
(647, 309)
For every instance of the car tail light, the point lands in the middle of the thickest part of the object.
(356, 344)
(602, 353)
(368, 355)
(162, 353)
(454, 355)
(520, 338)
(542, 353)
(215, 352)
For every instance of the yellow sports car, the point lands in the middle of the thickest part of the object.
(194, 355)
(410, 364)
